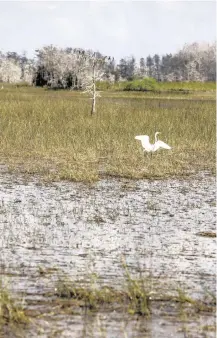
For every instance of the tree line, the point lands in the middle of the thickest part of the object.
(79, 69)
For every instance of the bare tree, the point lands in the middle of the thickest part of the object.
(92, 70)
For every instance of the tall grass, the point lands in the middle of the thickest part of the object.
(52, 133)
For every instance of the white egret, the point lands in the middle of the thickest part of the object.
(148, 147)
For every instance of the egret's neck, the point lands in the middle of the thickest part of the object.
(155, 137)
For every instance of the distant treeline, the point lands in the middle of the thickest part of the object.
(63, 68)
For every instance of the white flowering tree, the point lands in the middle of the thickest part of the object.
(56, 65)
(10, 71)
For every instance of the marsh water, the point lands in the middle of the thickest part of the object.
(79, 229)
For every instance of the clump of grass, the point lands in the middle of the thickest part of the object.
(134, 297)
(197, 305)
(206, 234)
(46, 271)
(51, 134)
(10, 312)
(138, 295)
(210, 328)
(183, 297)
(88, 297)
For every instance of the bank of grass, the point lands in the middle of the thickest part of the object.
(52, 133)
(191, 86)
(150, 84)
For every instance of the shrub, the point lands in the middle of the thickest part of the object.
(147, 84)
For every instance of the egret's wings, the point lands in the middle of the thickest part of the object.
(145, 142)
(161, 144)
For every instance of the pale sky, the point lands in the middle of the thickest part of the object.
(114, 28)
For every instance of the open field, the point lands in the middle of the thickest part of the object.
(51, 133)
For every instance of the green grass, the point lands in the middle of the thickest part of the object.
(192, 86)
(52, 133)
(153, 85)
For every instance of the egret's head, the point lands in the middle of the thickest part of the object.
(157, 132)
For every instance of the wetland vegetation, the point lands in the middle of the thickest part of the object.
(138, 300)
(51, 133)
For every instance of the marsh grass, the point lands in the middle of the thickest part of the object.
(138, 293)
(136, 297)
(51, 133)
(12, 315)
(88, 297)
(133, 297)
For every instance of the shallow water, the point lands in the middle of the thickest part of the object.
(82, 229)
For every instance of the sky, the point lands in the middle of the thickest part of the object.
(115, 28)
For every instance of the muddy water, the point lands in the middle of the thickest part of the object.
(81, 229)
